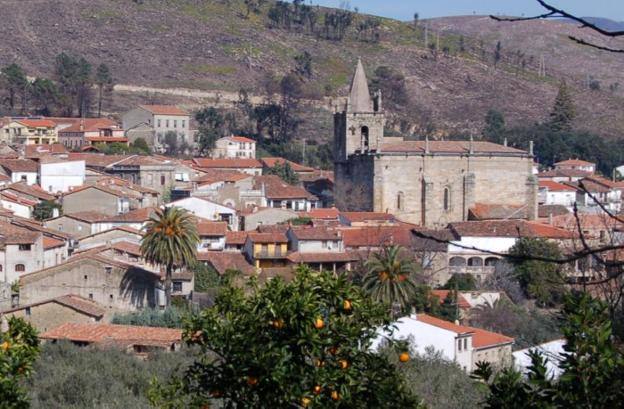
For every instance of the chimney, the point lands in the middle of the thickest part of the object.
(550, 218)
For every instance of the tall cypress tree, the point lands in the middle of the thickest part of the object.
(563, 111)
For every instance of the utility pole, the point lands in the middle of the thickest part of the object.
(304, 151)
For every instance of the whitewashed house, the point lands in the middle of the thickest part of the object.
(58, 175)
(234, 147)
(206, 209)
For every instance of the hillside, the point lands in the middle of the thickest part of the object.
(211, 45)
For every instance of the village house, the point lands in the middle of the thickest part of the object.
(37, 151)
(235, 241)
(460, 344)
(30, 192)
(49, 314)
(20, 170)
(145, 171)
(250, 166)
(206, 209)
(366, 219)
(77, 225)
(16, 204)
(224, 261)
(595, 193)
(234, 147)
(280, 194)
(30, 131)
(98, 198)
(576, 164)
(153, 122)
(211, 235)
(57, 175)
(301, 170)
(114, 284)
(135, 219)
(89, 131)
(110, 236)
(256, 217)
(132, 339)
(554, 193)
(21, 251)
(266, 250)
(321, 248)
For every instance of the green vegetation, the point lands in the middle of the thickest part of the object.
(461, 282)
(45, 210)
(171, 317)
(170, 240)
(298, 344)
(285, 172)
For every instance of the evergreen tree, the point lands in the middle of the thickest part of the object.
(563, 111)
(494, 129)
(104, 81)
(13, 79)
(44, 95)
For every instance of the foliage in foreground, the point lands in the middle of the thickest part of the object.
(19, 347)
(71, 377)
(299, 344)
(593, 366)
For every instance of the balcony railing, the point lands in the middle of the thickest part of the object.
(471, 269)
(270, 255)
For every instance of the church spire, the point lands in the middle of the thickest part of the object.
(360, 98)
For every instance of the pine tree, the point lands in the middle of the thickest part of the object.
(563, 111)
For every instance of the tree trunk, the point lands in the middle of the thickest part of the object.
(100, 102)
(168, 283)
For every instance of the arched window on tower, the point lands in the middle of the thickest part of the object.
(400, 201)
(447, 199)
(365, 142)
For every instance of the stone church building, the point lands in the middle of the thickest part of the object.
(429, 183)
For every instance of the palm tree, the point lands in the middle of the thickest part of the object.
(170, 240)
(390, 278)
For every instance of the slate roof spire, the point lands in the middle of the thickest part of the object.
(360, 98)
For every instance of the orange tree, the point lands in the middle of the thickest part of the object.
(19, 347)
(305, 343)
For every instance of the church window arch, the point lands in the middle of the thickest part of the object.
(446, 201)
(365, 136)
(400, 201)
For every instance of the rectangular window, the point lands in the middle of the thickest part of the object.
(162, 180)
(466, 343)
(108, 269)
(90, 296)
(159, 123)
(28, 312)
(175, 123)
(183, 123)
(167, 123)
(177, 287)
(24, 247)
(459, 344)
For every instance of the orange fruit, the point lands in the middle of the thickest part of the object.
(305, 402)
(252, 381)
(343, 364)
(319, 323)
(319, 363)
(317, 390)
(279, 324)
(5, 346)
(404, 357)
(335, 395)
(346, 305)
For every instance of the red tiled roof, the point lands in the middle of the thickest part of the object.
(240, 139)
(480, 337)
(37, 123)
(208, 228)
(97, 333)
(567, 173)
(322, 214)
(574, 162)
(316, 233)
(19, 165)
(12, 234)
(509, 228)
(215, 175)
(140, 160)
(223, 261)
(120, 139)
(8, 196)
(447, 325)
(227, 163)
(323, 257)
(451, 147)
(88, 125)
(164, 110)
(89, 217)
(442, 294)
(272, 162)
(482, 211)
(97, 160)
(50, 243)
(367, 216)
(267, 238)
(377, 236)
(30, 190)
(555, 186)
(38, 150)
(127, 247)
(113, 190)
(134, 216)
(276, 188)
(236, 237)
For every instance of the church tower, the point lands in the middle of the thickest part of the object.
(359, 128)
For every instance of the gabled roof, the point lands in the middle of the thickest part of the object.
(480, 337)
(105, 333)
(555, 186)
(566, 173)
(275, 188)
(134, 216)
(113, 190)
(34, 151)
(89, 125)
(574, 162)
(316, 233)
(88, 216)
(236, 237)
(358, 217)
(11, 197)
(267, 238)
(208, 228)
(96, 160)
(214, 176)
(239, 139)
(442, 294)
(377, 236)
(164, 110)
(30, 190)
(509, 228)
(272, 162)
(450, 147)
(19, 165)
(75, 302)
(223, 261)
(12, 234)
(322, 214)
(127, 247)
(482, 211)
(51, 243)
(37, 123)
(323, 257)
(233, 163)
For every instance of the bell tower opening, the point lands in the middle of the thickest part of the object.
(365, 139)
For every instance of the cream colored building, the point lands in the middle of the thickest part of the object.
(429, 183)
(30, 132)
(234, 147)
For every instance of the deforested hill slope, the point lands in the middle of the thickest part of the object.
(214, 45)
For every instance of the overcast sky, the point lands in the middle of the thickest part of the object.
(405, 9)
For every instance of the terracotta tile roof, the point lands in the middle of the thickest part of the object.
(127, 247)
(450, 147)
(480, 337)
(12, 234)
(227, 163)
(240, 139)
(11, 197)
(567, 173)
(140, 160)
(19, 165)
(214, 175)
(555, 186)
(322, 214)
(223, 261)
(89, 217)
(72, 301)
(88, 125)
(377, 236)
(545, 211)
(134, 216)
(574, 162)
(119, 191)
(236, 237)
(50, 243)
(323, 257)
(355, 217)
(316, 233)
(119, 228)
(272, 162)
(99, 333)
(34, 151)
(37, 123)
(164, 110)
(442, 294)
(509, 228)
(208, 228)
(267, 238)
(482, 211)
(275, 188)
(30, 190)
